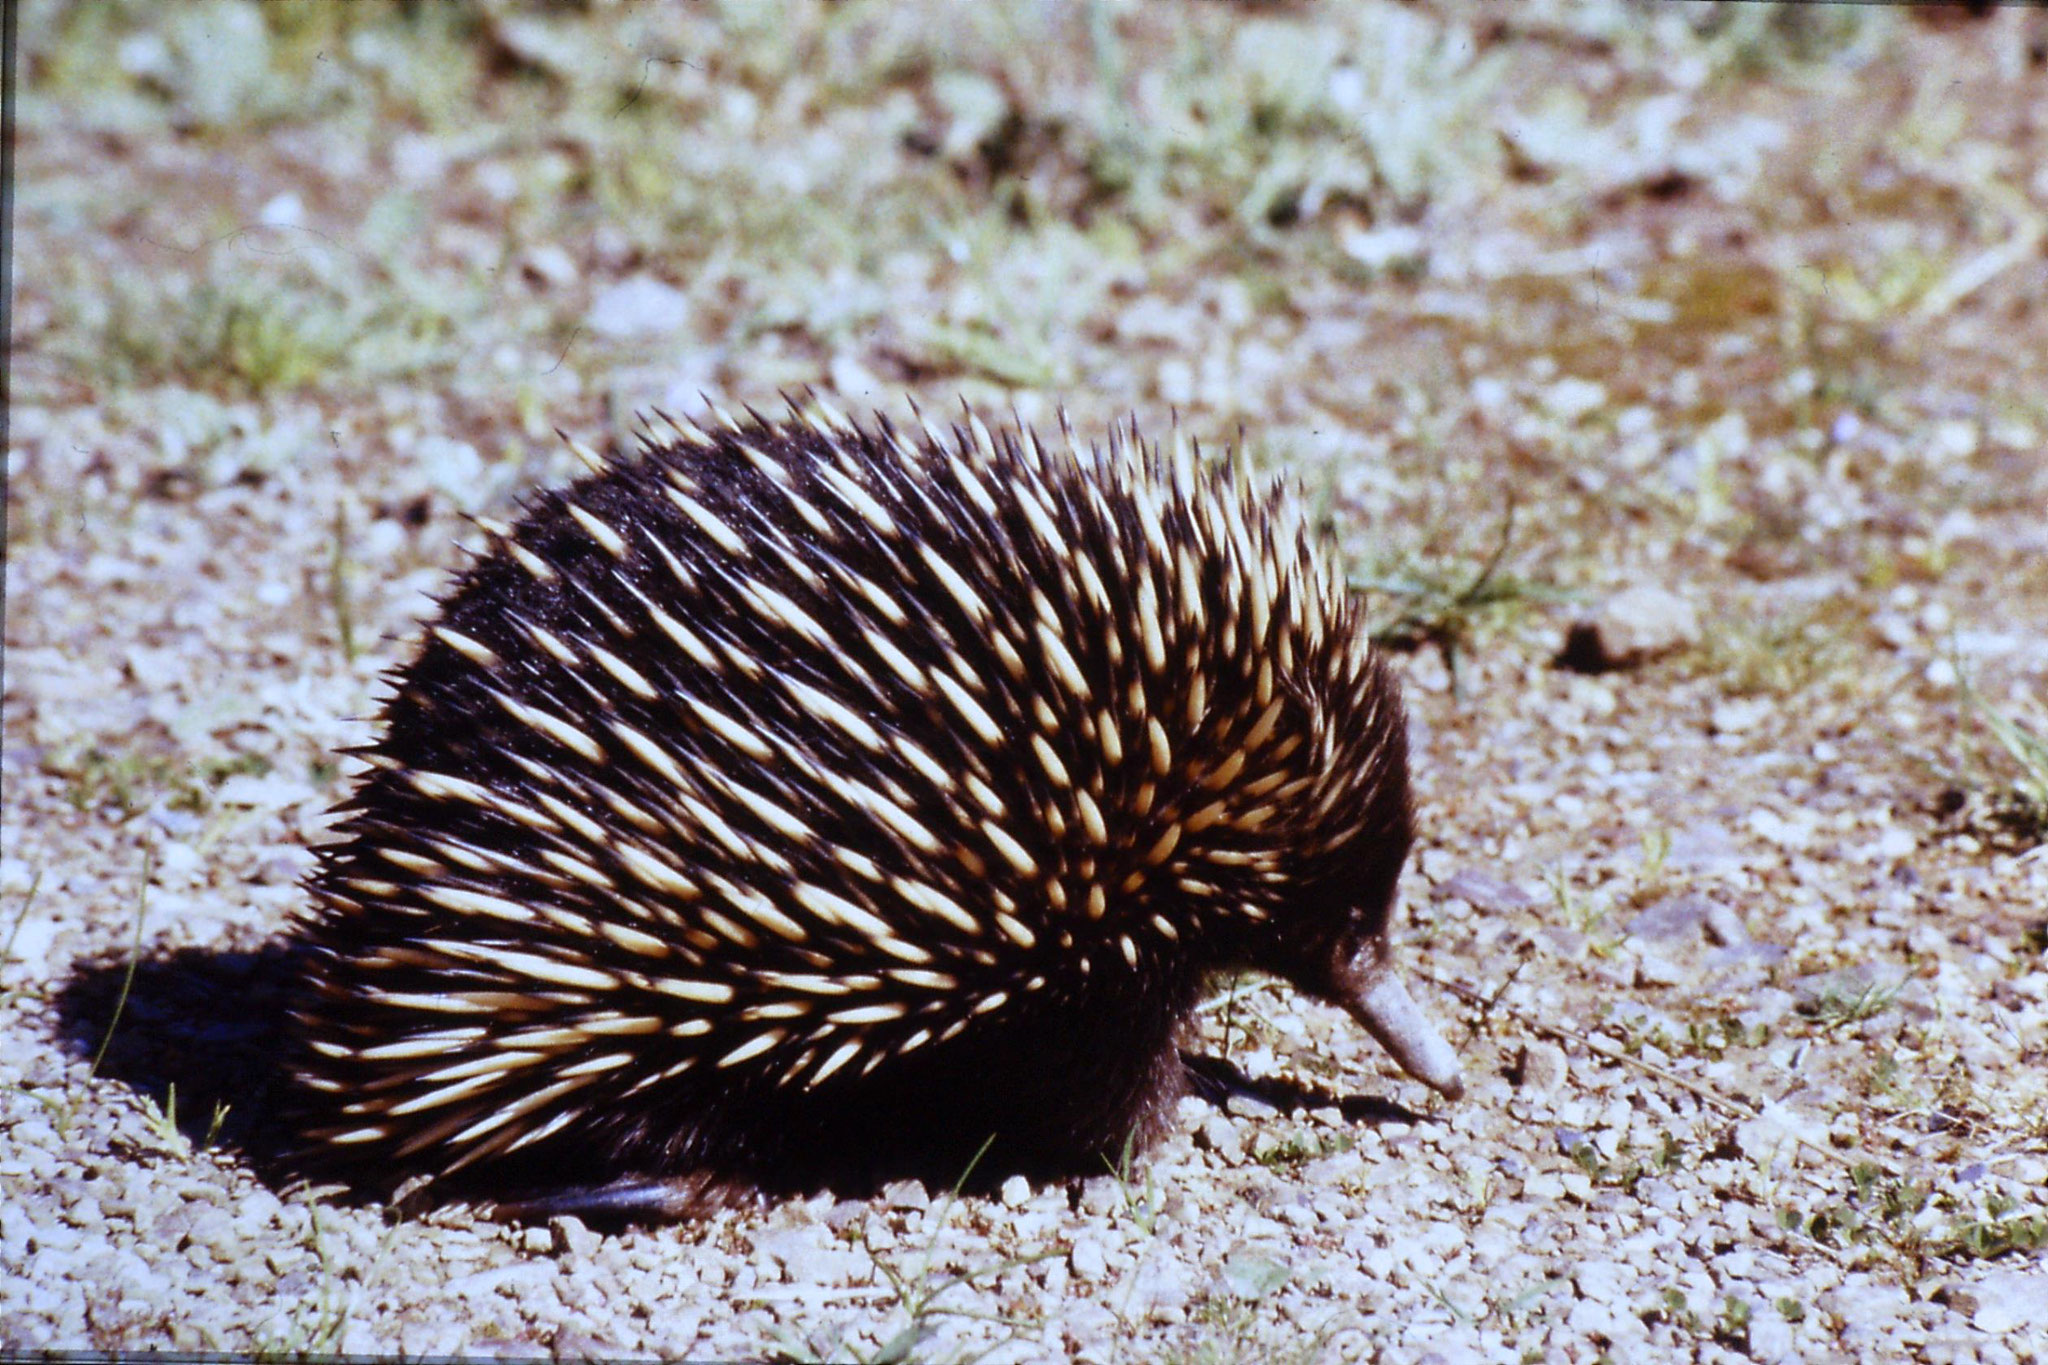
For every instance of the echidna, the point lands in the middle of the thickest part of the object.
(802, 804)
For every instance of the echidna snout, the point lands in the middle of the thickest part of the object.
(1381, 1003)
(802, 804)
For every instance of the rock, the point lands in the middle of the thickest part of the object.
(906, 1194)
(548, 265)
(1603, 1282)
(1101, 1196)
(1223, 1137)
(1252, 1272)
(1087, 1261)
(286, 210)
(1629, 629)
(1653, 969)
(1675, 919)
(975, 109)
(1860, 982)
(1775, 1133)
(2006, 1300)
(1540, 1069)
(1488, 894)
(1724, 926)
(1016, 1192)
(1740, 714)
(1864, 1302)
(1771, 1338)
(1703, 848)
(641, 306)
(571, 1237)
(1397, 246)
(845, 1214)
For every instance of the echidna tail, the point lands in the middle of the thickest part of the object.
(801, 803)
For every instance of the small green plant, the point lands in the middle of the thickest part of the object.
(1886, 1212)
(1300, 1148)
(235, 330)
(1777, 653)
(1235, 1329)
(1842, 1002)
(918, 1292)
(338, 595)
(1511, 1310)
(1732, 1327)
(1625, 1170)
(1445, 603)
(134, 960)
(1887, 1079)
(2023, 810)
(28, 900)
(1996, 1232)
(316, 1322)
(126, 781)
(1581, 913)
(1789, 1308)
(1656, 852)
(1231, 992)
(65, 1112)
(164, 1122)
(1144, 1201)
(96, 777)
(1673, 1307)
(1712, 1038)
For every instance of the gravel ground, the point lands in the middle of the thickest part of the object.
(1669, 375)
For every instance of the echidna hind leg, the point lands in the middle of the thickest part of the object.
(634, 1199)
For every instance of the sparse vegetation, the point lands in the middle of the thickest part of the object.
(2023, 807)
(1445, 604)
(1626, 1168)
(917, 1292)
(1779, 652)
(1913, 1223)
(28, 900)
(98, 776)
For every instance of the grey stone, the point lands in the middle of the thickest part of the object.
(639, 307)
(1482, 892)
(1653, 969)
(1724, 927)
(1630, 629)
(2008, 1300)
(1087, 1261)
(1541, 1068)
(906, 1194)
(1674, 919)
(571, 1237)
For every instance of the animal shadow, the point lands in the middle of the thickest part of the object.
(199, 1031)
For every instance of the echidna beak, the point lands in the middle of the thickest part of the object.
(1391, 1016)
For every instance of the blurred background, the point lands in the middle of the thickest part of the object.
(1324, 222)
(1746, 292)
